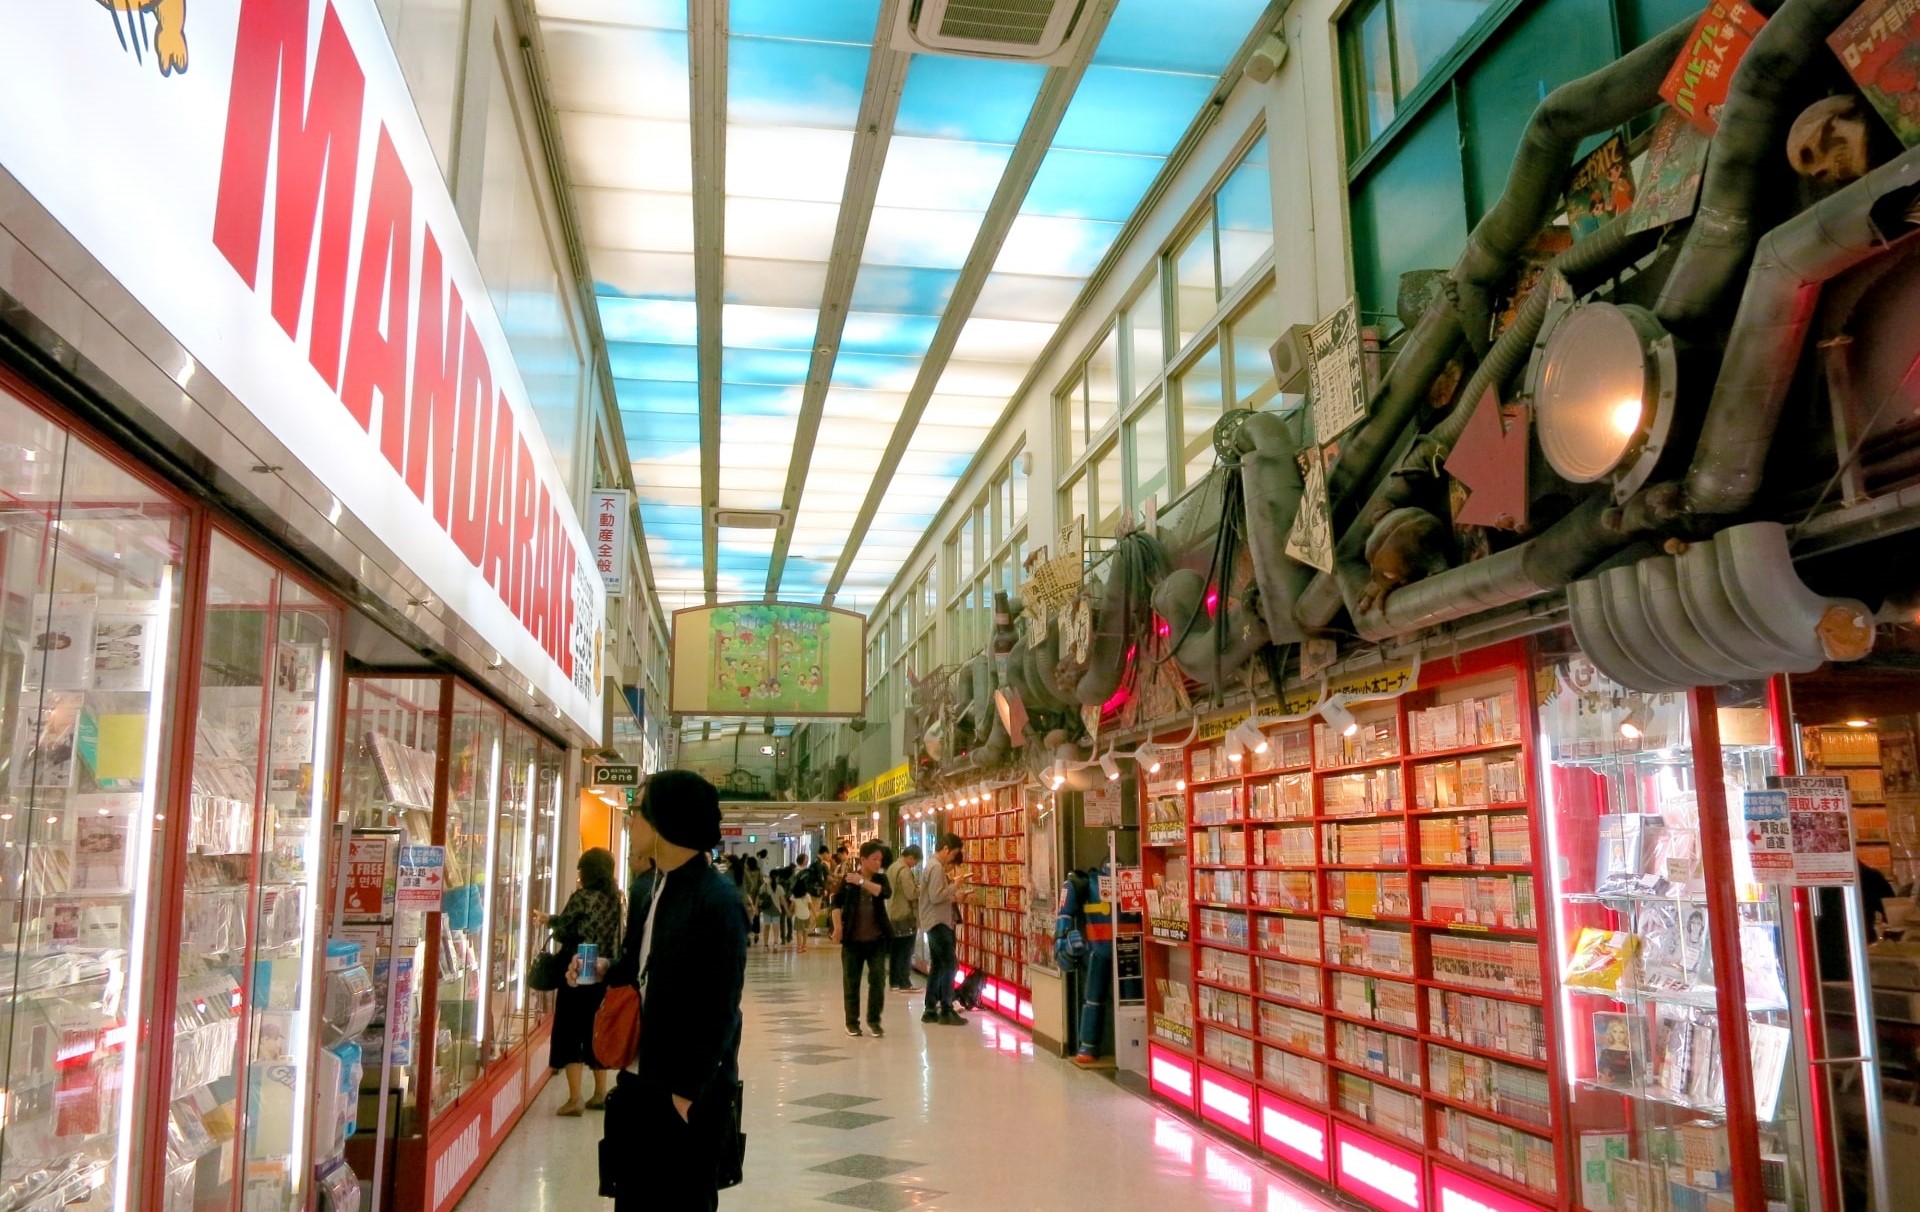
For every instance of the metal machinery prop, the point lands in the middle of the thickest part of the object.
(1768, 341)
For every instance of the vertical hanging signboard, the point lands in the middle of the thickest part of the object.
(607, 535)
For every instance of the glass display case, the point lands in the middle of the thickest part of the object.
(433, 763)
(387, 797)
(243, 992)
(94, 565)
(1674, 965)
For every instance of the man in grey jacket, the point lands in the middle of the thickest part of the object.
(938, 889)
(903, 910)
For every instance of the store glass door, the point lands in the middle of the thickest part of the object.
(242, 991)
(475, 756)
(90, 617)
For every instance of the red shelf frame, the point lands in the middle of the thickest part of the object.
(1502, 669)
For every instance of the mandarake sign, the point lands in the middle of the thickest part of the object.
(277, 207)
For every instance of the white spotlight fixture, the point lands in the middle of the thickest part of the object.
(1057, 776)
(1110, 767)
(1603, 387)
(1179, 784)
(1251, 737)
(1148, 756)
(1236, 749)
(1334, 712)
(1635, 725)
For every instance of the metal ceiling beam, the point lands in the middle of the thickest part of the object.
(879, 106)
(707, 25)
(1183, 151)
(1043, 122)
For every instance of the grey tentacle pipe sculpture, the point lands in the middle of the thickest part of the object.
(1271, 482)
(1607, 98)
(1753, 123)
(1179, 598)
(1794, 261)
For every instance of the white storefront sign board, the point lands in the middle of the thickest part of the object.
(288, 224)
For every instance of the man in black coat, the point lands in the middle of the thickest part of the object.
(686, 947)
(865, 936)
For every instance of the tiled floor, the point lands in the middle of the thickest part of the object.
(954, 1119)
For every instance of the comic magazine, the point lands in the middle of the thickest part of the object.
(1534, 259)
(1670, 178)
(1880, 46)
(1698, 82)
(1600, 188)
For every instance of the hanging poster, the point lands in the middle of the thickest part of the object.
(1769, 836)
(1333, 370)
(1100, 806)
(124, 643)
(59, 641)
(1698, 83)
(1129, 891)
(44, 741)
(370, 876)
(422, 880)
(1600, 188)
(1670, 177)
(1311, 540)
(1880, 46)
(1819, 812)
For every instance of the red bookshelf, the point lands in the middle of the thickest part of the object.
(994, 933)
(1362, 940)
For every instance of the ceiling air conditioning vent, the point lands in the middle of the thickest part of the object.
(749, 519)
(1037, 31)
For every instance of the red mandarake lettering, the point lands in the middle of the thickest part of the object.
(447, 429)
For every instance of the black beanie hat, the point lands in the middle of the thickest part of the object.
(683, 808)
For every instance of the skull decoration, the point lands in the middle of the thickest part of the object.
(1828, 143)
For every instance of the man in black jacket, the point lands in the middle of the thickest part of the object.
(865, 936)
(686, 947)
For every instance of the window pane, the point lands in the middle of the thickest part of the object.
(1147, 354)
(1253, 333)
(1147, 436)
(1075, 500)
(1017, 486)
(965, 567)
(1002, 498)
(1108, 502)
(1425, 30)
(1196, 292)
(1372, 63)
(1245, 204)
(1103, 383)
(1073, 418)
(1199, 410)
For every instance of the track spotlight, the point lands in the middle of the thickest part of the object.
(1236, 750)
(1149, 756)
(1110, 767)
(1334, 712)
(1056, 776)
(1251, 737)
(1635, 725)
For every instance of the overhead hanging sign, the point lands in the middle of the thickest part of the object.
(294, 233)
(608, 511)
(776, 658)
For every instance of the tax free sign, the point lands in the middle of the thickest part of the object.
(255, 174)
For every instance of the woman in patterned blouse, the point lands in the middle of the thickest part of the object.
(592, 915)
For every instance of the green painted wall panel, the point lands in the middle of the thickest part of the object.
(1553, 43)
(1408, 215)
(1641, 20)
